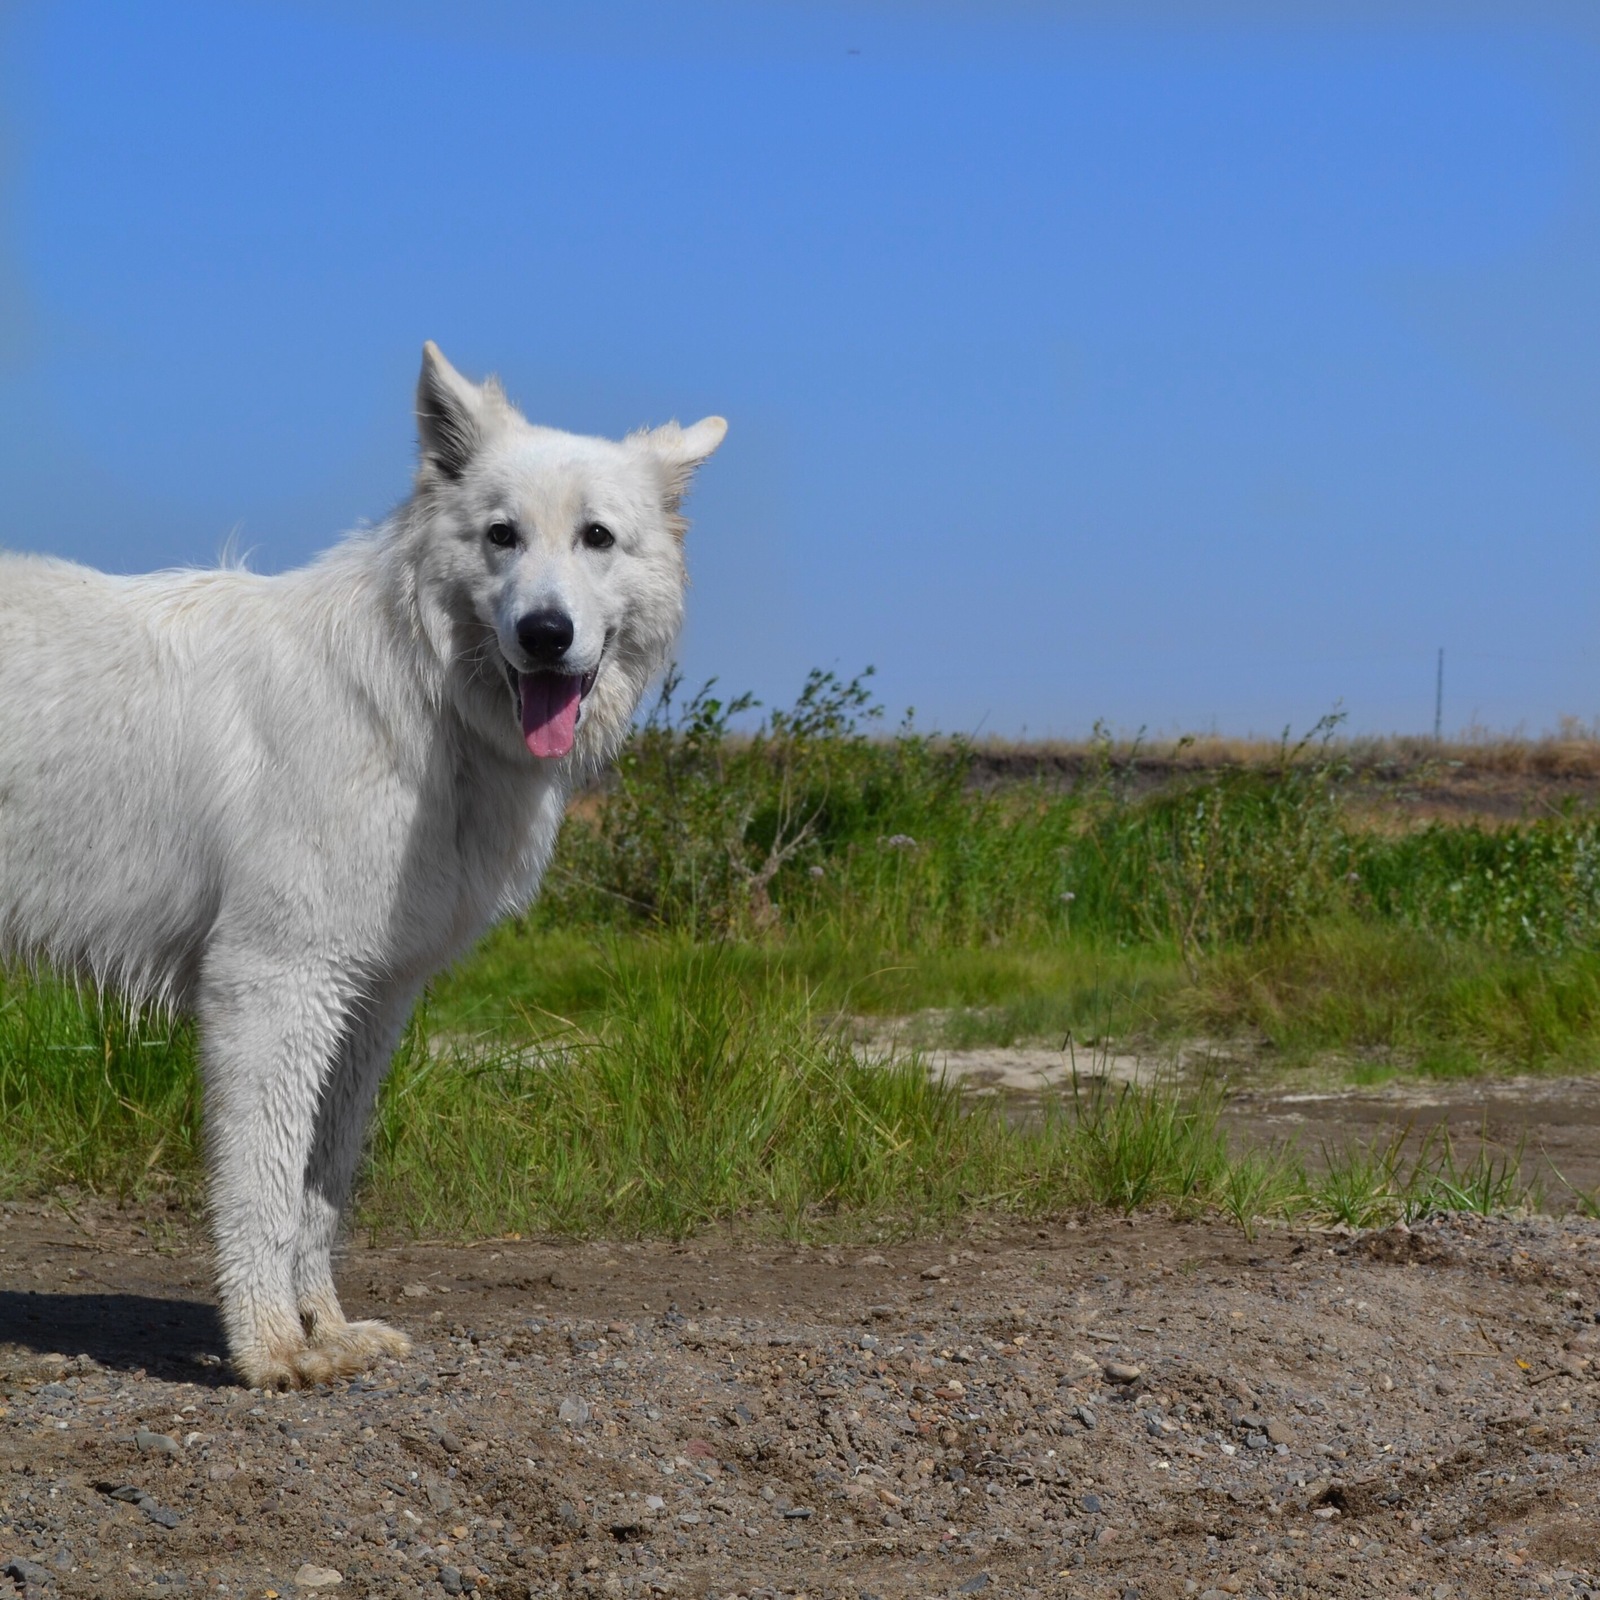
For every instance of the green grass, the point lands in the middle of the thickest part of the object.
(1344, 991)
(91, 1094)
(1439, 1007)
(998, 995)
(665, 1041)
(685, 1099)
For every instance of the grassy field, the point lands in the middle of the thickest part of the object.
(665, 1041)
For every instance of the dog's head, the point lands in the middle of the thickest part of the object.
(556, 560)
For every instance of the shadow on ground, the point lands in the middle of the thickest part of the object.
(175, 1339)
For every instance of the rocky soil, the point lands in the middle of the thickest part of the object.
(1125, 1409)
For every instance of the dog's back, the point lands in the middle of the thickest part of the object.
(105, 858)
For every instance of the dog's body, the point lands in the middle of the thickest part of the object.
(282, 803)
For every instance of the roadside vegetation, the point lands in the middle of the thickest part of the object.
(673, 1037)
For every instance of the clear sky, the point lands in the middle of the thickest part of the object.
(1184, 366)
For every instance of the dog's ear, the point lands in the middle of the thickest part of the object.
(454, 415)
(678, 451)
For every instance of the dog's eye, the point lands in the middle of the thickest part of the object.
(598, 536)
(502, 535)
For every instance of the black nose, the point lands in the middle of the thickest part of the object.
(545, 635)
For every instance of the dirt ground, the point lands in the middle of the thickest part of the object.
(1141, 1408)
(1548, 1127)
(1396, 782)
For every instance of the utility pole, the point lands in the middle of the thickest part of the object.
(1438, 700)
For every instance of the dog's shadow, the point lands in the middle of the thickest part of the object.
(178, 1340)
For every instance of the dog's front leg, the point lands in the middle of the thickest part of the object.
(342, 1113)
(269, 1032)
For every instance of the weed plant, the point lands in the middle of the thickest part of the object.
(810, 827)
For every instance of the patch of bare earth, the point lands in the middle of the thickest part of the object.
(1097, 1408)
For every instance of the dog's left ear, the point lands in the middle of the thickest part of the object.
(454, 415)
(679, 451)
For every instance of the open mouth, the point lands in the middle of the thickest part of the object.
(550, 704)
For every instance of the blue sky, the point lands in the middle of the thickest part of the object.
(1187, 368)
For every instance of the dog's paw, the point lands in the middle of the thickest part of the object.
(356, 1345)
(281, 1367)
(335, 1350)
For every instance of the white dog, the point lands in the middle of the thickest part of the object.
(283, 803)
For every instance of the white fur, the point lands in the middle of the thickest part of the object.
(282, 803)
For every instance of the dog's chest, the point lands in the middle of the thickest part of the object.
(483, 841)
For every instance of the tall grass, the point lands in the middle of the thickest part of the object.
(689, 1100)
(92, 1093)
(809, 827)
(670, 1037)
(1249, 900)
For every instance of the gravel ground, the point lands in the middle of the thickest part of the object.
(1108, 1408)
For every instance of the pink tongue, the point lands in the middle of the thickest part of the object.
(549, 711)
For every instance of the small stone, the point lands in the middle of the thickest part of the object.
(654, 1502)
(979, 1580)
(872, 1259)
(1084, 1415)
(1257, 1441)
(796, 1513)
(314, 1577)
(449, 1443)
(573, 1411)
(1280, 1432)
(159, 1444)
(416, 1291)
(1122, 1371)
(450, 1579)
(933, 1273)
(1092, 1504)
